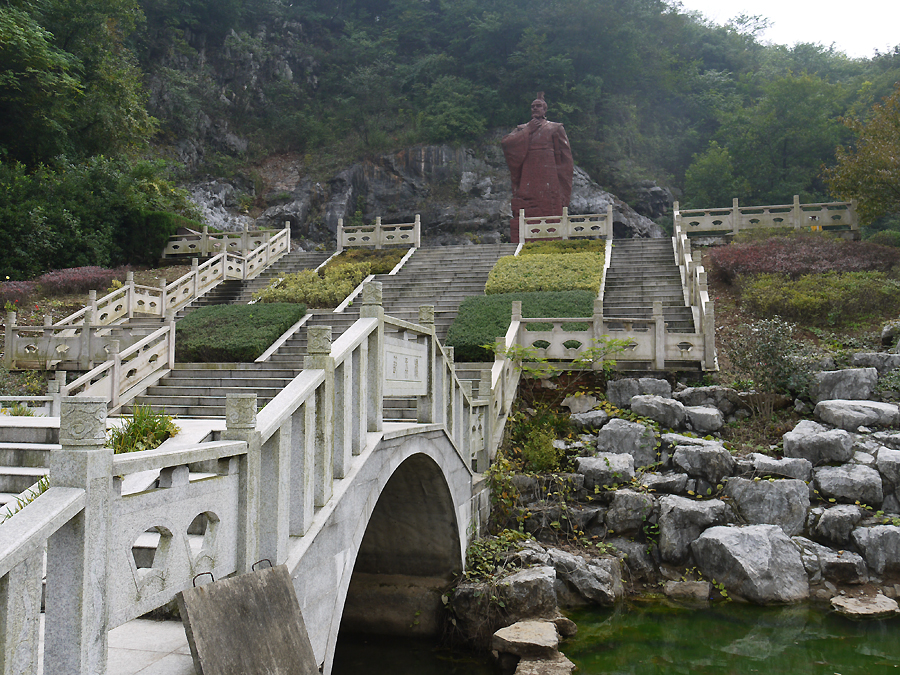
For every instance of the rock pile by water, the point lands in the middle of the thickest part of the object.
(824, 515)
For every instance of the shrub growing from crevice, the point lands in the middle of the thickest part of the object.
(144, 430)
(232, 333)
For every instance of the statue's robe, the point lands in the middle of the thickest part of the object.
(540, 166)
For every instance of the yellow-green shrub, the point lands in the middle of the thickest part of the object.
(315, 291)
(831, 298)
(382, 261)
(543, 272)
(564, 246)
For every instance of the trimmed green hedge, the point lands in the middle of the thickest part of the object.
(232, 333)
(564, 246)
(482, 319)
(314, 290)
(546, 272)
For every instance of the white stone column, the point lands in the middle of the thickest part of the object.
(374, 372)
(659, 343)
(75, 630)
(240, 425)
(425, 404)
(319, 357)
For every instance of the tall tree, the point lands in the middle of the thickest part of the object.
(870, 171)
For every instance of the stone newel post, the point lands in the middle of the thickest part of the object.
(319, 358)
(372, 308)
(76, 620)
(240, 425)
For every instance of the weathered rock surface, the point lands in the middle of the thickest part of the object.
(757, 562)
(597, 580)
(585, 421)
(834, 525)
(623, 437)
(529, 593)
(850, 415)
(704, 419)
(883, 362)
(688, 590)
(668, 412)
(620, 392)
(819, 445)
(880, 546)
(605, 469)
(822, 563)
(558, 665)
(879, 607)
(788, 467)
(528, 639)
(629, 511)
(850, 483)
(671, 483)
(725, 399)
(681, 521)
(777, 502)
(711, 462)
(850, 384)
(580, 404)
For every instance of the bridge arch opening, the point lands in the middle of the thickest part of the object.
(409, 555)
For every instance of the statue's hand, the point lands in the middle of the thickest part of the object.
(533, 125)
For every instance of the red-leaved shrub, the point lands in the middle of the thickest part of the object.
(78, 280)
(799, 255)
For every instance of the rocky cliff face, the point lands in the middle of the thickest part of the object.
(461, 193)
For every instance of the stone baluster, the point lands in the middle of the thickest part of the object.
(240, 425)
(10, 340)
(129, 294)
(735, 216)
(319, 358)
(75, 633)
(163, 299)
(659, 342)
(425, 411)
(374, 372)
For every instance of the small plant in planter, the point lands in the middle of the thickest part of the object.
(144, 431)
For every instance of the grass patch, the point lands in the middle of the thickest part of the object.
(564, 246)
(232, 333)
(380, 261)
(144, 430)
(546, 272)
(482, 319)
(828, 299)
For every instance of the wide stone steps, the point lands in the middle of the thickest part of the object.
(641, 272)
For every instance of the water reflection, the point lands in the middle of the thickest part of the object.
(643, 639)
(377, 655)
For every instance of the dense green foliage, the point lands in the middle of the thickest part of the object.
(232, 333)
(482, 319)
(645, 89)
(827, 299)
(546, 272)
(326, 288)
(380, 261)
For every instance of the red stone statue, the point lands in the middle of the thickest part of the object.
(540, 165)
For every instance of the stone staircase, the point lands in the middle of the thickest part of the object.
(441, 276)
(641, 272)
(24, 454)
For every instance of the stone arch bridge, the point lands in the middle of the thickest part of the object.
(371, 518)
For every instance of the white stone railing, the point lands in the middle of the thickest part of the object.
(696, 296)
(203, 244)
(129, 373)
(83, 339)
(587, 226)
(730, 221)
(379, 235)
(261, 485)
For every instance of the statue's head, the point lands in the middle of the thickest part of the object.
(539, 106)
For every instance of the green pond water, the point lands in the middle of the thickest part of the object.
(649, 638)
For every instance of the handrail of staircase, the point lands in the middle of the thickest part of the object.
(128, 374)
(124, 302)
(733, 219)
(379, 235)
(203, 243)
(696, 294)
(287, 335)
(586, 225)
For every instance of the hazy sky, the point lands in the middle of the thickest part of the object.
(856, 28)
